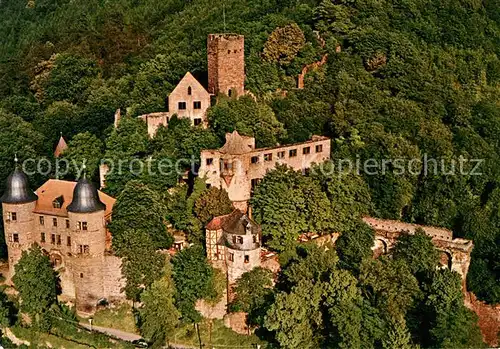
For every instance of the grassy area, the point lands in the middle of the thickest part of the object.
(37, 339)
(73, 338)
(221, 335)
(120, 318)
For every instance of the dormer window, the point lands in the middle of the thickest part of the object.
(189, 91)
(58, 202)
(248, 228)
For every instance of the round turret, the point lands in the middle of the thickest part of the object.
(17, 190)
(85, 198)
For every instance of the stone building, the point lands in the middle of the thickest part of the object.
(233, 244)
(68, 220)
(226, 75)
(238, 166)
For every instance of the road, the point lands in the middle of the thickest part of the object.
(126, 336)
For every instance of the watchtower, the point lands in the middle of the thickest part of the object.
(226, 64)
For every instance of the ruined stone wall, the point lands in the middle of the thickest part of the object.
(226, 64)
(238, 181)
(113, 280)
(154, 121)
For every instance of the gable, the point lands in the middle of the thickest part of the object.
(186, 82)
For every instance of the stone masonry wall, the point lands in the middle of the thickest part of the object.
(226, 64)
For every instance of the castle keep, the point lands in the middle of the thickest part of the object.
(68, 220)
(226, 75)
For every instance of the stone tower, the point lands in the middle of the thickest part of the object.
(226, 64)
(18, 203)
(86, 216)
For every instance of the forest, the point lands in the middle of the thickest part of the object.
(403, 79)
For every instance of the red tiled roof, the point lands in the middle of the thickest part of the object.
(55, 188)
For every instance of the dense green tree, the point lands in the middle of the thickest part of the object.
(249, 118)
(141, 263)
(354, 245)
(70, 79)
(253, 294)
(283, 44)
(139, 207)
(193, 278)
(36, 282)
(84, 148)
(158, 315)
(418, 252)
(452, 324)
(286, 204)
(17, 137)
(212, 203)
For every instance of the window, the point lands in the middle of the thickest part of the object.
(53, 239)
(234, 239)
(306, 150)
(54, 222)
(197, 104)
(247, 259)
(229, 92)
(228, 165)
(281, 155)
(209, 161)
(81, 275)
(58, 239)
(319, 148)
(197, 121)
(268, 157)
(182, 105)
(42, 220)
(68, 241)
(189, 90)
(292, 153)
(239, 239)
(254, 159)
(15, 237)
(11, 216)
(42, 237)
(81, 225)
(67, 223)
(83, 249)
(230, 256)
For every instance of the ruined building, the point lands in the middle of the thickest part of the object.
(238, 166)
(226, 75)
(233, 244)
(455, 252)
(68, 220)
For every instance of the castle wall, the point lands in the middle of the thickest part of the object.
(154, 121)
(250, 167)
(226, 64)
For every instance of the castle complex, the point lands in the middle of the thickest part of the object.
(226, 75)
(68, 220)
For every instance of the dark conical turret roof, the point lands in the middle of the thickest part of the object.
(85, 198)
(17, 190)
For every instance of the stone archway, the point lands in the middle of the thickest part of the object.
(380, 247)
(56, 259)
(445, 259)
